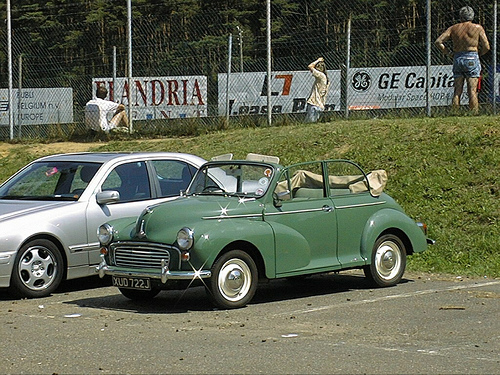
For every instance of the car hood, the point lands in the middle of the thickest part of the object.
(161, 222)
(17, 208)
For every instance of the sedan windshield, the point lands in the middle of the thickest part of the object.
(232, 179)
(50, 181)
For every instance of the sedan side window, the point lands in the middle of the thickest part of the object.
(130, 180)
(82, 178)
(173, 176)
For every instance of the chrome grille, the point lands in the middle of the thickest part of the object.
(140, 254)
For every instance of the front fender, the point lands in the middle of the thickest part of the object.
(16, 233)
(391, 220)
(123, 228)
(212, 236)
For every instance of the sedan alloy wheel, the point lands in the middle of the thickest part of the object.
(38, 269)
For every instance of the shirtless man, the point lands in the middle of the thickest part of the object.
(469, 41)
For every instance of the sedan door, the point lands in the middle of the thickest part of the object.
(139, 184)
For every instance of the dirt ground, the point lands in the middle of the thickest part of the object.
(51, 148)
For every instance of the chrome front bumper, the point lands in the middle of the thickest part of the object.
(164, 273)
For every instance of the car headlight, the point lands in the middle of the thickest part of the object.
(105, 234)
(185, 239)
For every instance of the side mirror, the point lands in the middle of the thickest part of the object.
(107, 197)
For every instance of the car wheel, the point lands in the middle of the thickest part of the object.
(139, 295)
(234, 280)
(38, 270)
(388, 261)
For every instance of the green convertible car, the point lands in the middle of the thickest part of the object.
(241, 221)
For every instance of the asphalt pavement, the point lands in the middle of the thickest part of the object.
(328, 324)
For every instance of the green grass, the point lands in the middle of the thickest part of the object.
(443, 171)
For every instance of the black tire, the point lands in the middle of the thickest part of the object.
(388, 261)
(139, 295)
(38, 270)
(234, 280)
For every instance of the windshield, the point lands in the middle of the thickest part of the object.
(232, 179)
(50, 181)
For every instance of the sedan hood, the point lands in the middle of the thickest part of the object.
(16, 208)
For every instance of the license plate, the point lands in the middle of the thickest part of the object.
(129, 282)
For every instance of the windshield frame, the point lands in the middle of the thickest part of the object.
(239, 178)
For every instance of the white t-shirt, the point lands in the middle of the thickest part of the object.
(98, 114)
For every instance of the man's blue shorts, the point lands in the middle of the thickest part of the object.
(466, 64)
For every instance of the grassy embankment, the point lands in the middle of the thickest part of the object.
(444, 171)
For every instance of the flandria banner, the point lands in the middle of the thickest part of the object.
(159, 97)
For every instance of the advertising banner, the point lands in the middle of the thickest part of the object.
(400, 87)
(37, 106)
(289, 89)
(159, 97)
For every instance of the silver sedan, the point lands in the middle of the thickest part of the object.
(50, 211)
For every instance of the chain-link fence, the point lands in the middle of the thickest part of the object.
(206, 62)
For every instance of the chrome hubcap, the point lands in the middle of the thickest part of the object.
(388, 260)
(234, 279)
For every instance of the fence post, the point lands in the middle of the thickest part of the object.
(428, 67)
(268, 26)
(347, 67)
(241, 47)
(114, 71)
(129, 17)
(494, 62)
(9, 53)
(20, 87)
(229, 53)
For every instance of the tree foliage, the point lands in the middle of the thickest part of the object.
(74, 39)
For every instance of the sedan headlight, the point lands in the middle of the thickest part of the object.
(185, 239)
(105, 234)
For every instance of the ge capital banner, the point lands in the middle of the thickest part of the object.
(289, 90)
(37, 106)
(400, 87)
(159, 97)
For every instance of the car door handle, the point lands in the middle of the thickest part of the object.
(327, 208)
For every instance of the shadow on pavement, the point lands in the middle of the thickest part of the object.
(68, 286)
(196, 299)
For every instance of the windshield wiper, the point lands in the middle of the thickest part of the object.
(16, 197)
(211, 193)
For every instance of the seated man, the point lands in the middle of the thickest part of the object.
(105, 115)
